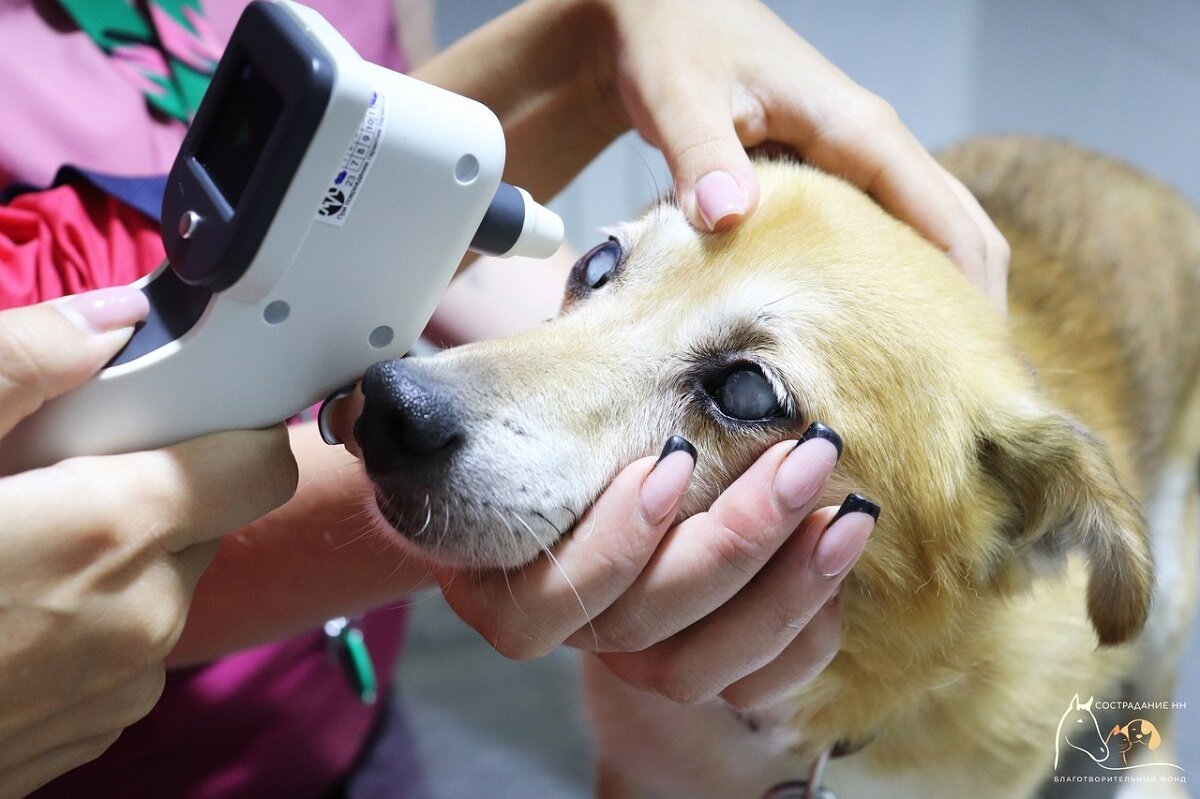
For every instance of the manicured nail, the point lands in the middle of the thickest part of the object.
(105, 310)
(668, 479)
(818, 430)
(676, 444)
(856, 503)
(802, 474)
(719, 196)
(844, 538)
(324, 422)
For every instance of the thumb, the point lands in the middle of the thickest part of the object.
(48, 349)
(715, 183)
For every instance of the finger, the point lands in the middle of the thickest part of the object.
(191, 563)
(527, 613)
(997, 253)
(48, 349)
(220, 482)
(33, 774)
(335, 419)
(104, 712)
(757, 625)
(800, 662)
(696, 127)
(178, 496)
(707, 559)
(874, 151)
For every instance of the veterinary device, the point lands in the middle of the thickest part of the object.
(315, 213)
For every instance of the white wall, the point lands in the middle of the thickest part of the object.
(1123, 77)
(1119, 76)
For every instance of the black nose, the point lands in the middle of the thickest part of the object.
(408, 418)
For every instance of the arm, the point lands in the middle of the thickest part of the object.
(704, 82)
(538, 68)
(316, 557)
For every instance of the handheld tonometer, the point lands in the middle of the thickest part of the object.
(315, 213)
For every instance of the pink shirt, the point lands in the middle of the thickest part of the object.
(279, 720)
(62, 102)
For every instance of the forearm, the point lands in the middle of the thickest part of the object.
(317, 557)
(544, 69)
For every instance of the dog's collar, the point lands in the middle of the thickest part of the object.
(807, 788)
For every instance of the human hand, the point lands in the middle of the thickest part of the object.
(739, 601)
(704, 82)
(99, 556)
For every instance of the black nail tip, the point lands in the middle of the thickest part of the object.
(846, 747)
(857, 503)
(676, 444)
(818, 430)
(323, 420)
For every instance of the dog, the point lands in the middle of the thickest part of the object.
(1032, 469)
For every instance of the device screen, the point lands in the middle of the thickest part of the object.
(239, 130)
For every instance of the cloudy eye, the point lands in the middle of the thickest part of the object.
(744, 393)
(598, 264)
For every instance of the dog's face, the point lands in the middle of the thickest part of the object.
(819, 308)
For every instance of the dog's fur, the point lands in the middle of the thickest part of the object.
(1013, 461)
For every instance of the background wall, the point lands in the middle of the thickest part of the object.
(1111, 74)
(1118, 76)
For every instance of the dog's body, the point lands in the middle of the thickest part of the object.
(997, 459)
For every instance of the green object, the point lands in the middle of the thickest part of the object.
(163, 46)
(359, 669)
(347, 641)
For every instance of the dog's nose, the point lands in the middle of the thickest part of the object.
(407, 418)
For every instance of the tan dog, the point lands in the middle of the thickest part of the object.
(1013, 462)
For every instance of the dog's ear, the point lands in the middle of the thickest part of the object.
(1062, 493)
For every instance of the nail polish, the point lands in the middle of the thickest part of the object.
(324, 423)
(718, 196)
(105, 310)
(841, 544)
(676, 444)
(856, 503)
(818, 430)
(668, 480)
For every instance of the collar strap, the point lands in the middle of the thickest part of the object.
(809, 788)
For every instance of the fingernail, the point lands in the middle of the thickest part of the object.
(324, 422)
(802, 473)
(668, 479)
(105, 310)
(718, 196)
(844, 538)
(676, 444)
(818, 430)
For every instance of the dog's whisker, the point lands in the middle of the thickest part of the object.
(428, 516)
(367, 529)
(570, 583)
(553, 526)
(445, 527)
(516, 547)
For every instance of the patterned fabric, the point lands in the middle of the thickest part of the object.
(63, 100)
(164, 47)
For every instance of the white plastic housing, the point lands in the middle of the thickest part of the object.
(320, 302)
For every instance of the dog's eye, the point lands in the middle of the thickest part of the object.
(745, 393)
(598, 264)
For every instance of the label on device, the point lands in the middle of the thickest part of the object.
(343, 188)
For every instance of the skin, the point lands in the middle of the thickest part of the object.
(94, 591)
(565, 77)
